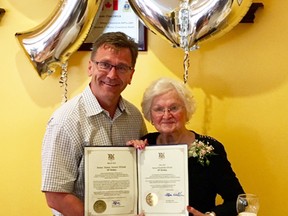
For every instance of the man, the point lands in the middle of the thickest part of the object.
(98, 116)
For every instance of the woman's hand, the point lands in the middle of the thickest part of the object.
(139, 144)
(194, 211)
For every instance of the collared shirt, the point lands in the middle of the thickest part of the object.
(78, 123)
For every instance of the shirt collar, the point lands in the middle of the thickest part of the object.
(93, 107)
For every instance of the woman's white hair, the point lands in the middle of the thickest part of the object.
(164, 85)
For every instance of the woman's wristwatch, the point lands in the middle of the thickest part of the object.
(210, 213)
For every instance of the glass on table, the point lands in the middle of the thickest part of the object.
(247, 205)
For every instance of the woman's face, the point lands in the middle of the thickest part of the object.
(168, 113)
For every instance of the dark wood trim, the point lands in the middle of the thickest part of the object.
(250, 15)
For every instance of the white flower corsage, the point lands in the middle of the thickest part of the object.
(201, 151)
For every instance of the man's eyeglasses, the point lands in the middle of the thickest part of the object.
(162, 110)
(106, 67)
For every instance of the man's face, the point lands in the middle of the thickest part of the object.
(108, 82)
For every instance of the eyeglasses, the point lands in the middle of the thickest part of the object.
(106, 67)
(162, 110)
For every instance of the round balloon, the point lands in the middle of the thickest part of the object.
(186, 23)
(50, 44)
(238, 10)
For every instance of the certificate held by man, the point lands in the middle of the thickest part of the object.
(127, 181)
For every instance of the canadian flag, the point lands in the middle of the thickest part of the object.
(115, 4)
(111, 5)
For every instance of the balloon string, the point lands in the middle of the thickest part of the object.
(186, 65)
(63, 81)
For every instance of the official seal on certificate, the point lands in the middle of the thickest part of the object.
(151, 199)
(99, 206)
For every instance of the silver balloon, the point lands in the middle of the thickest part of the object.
(185, 22)
(50, 44)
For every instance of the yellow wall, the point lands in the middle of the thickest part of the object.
(240, 82)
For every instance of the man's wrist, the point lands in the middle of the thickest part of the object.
(210, 213)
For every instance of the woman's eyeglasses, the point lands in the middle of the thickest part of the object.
(162, 110)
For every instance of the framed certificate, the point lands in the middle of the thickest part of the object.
(163, 180)
(110, 181)
(126, 181)
(117, 15)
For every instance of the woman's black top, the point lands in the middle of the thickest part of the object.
(205, 182)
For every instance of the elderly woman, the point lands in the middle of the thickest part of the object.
(168, 105)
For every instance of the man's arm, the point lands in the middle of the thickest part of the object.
(65, 203)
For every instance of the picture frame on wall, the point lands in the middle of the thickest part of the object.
(117, 15)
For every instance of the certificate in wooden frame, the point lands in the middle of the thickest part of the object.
(117, 15)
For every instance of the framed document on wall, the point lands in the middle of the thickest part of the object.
(117, 15)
